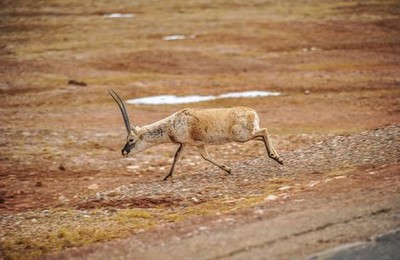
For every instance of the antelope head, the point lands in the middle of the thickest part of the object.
(133, 132)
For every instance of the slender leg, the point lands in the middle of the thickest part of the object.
(263, 133)
(177, 155)
(206, 156)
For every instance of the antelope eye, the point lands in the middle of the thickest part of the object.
(130, 140)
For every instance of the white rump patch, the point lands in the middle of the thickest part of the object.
(171, 99)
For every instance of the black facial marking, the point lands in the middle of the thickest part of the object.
(126, 150)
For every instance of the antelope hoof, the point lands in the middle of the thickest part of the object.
(279, 161)
(276, 158)
(227, 169)
(166, 177)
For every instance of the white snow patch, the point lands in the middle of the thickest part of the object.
(174, 37)
(119, 15)
(249, 94)
(178, 37)
(171, 99)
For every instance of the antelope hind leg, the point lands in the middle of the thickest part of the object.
(263, 133)
(206, 156)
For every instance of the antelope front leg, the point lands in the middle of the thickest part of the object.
(178, 155)
(206, 156)
(263, 133)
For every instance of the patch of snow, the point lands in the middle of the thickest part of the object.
(169, 100)
(172, 99)
(119, 15)
(178, 37)
(249, 94)
(174, 37)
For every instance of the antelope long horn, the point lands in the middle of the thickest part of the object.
(122, 108)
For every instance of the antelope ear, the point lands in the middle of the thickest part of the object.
(136, 130)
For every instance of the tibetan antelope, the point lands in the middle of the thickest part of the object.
(197, 127)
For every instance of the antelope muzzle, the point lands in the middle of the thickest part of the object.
(126, 150)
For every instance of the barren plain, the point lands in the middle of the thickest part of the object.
(64, 185)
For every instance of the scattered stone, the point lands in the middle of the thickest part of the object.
(61, 167)
(259, 211)
(317, 172)
(271, 197)
(284, 188)
(229, 219)
(77, 83)
(94, 186)
(21, 192)
(63, 199)
(312, 183)
(132, 167)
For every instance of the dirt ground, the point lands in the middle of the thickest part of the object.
(62, 177)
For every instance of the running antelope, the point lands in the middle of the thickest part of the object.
(197, 127)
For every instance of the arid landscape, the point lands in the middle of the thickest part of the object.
(66, 191)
